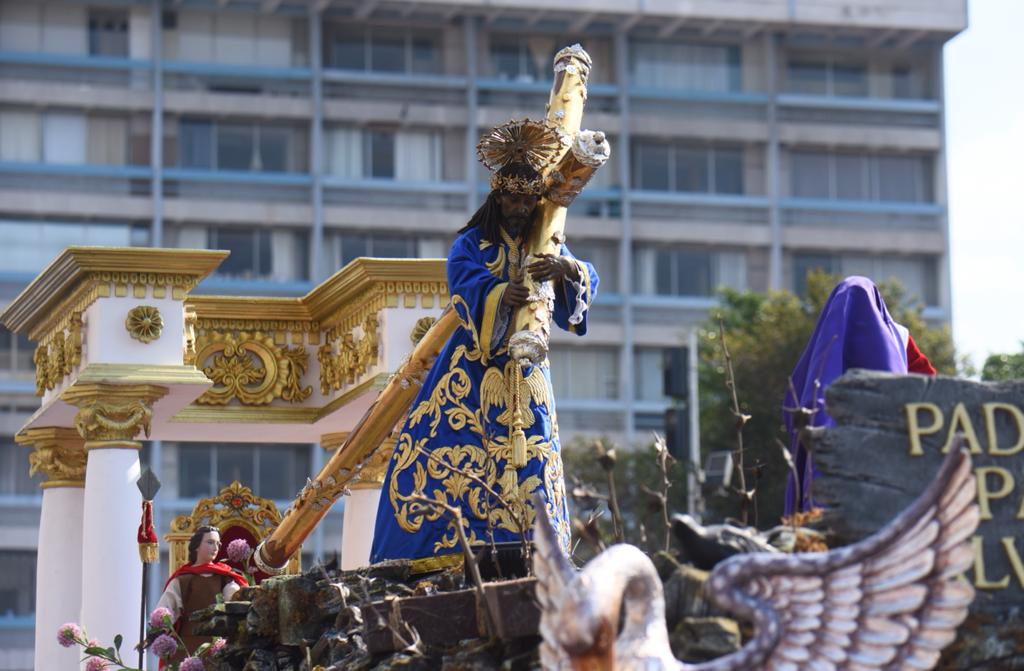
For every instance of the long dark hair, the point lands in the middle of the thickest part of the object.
(197, 538)
(488, 216)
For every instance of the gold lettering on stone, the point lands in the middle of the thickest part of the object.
(960, 421)
(981, 580)
(985, 493)
(915, 429)
(990, 410)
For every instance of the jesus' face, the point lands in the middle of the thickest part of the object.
(516, 209)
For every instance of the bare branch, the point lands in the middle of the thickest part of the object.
(741, 420)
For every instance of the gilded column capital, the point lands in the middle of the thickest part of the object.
(58, 453)
(113, 412)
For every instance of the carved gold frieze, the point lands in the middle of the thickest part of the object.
(59, 354)
(144, 323)
(189, 348)
(251, 368)
(353, 358)
(113, 412)
(57, 453)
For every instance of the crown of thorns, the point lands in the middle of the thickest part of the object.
(516, 184)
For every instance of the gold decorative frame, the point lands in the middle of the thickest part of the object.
(235, 505)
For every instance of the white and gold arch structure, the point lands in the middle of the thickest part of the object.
(124, 352)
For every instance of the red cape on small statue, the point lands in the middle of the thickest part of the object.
(219, 568)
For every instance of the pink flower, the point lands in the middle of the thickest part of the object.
(160, 618)
(95, 664)
(68, 634)
(189, 664)
(164, 646)
(217, 645)
(238, 551)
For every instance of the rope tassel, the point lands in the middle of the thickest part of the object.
(516, 434)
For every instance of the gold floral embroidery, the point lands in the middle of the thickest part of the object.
(447, 402)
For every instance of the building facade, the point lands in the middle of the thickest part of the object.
(751, 141)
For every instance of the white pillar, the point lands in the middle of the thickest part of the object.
(58, 576)
(111, 568)
(357, 532)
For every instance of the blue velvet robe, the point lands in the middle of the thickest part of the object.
(461, 416)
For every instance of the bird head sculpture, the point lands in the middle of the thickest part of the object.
(890, 601)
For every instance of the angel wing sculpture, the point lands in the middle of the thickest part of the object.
(890, 601)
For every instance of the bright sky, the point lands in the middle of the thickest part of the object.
(984, 69)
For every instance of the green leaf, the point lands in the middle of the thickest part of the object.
(117, 642)
(95, 651)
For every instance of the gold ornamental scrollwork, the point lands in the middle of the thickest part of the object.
(113, 412)
(354, 356)
(114, 420)
(144, 323)
(56, 453)
(59, 353)
(189, 348)
(235, 502)
(251, 368)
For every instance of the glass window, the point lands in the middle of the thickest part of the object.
(274, 149)
(234, 147)
(604, 257)
(6, 349)
(511, 59)
(243, 247)
(195, 144)
(686, 67)
(851, 177)
(692, 170)
(282, 469)
(588, 373)
(650, 167)
(693, 272)
(194, 476)
(251, 253)
(805, 263)
(810, 175)
(505, 59)
(728, 171)
(347, 49)
(24, 349)
(902, 179)
(380, 154)
(426, 54)
(664, 272)
(649, 374)
(394, 247)
(849, 80)
(807, 77)
(353, 246)
(387, 51)
(108, 33)
(14, 477)
(17, 583)
(234, 462)
(273, 471)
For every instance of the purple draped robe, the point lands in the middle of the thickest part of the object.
(854, 330)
